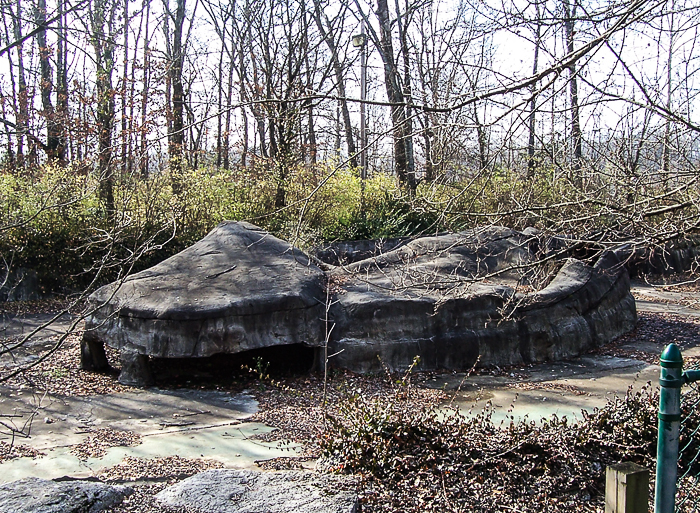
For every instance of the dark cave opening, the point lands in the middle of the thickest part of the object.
(223, 369)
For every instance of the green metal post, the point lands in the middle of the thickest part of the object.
(669, 426)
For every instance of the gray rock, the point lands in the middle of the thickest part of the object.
(242, 491)
(491, 295)
(135, 369)
(348, 252)
(663, 260)
(458, 298)
(34, 495)
(239, 288)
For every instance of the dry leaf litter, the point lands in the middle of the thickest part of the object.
(168, 468)
(98, 441)
(413, 455)
(9, 451)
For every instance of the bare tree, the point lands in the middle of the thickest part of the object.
(143, 129)
(531, 162)
(328, 28)
(53, 148)
(395, 94)
(666, 156)
(102, 14)
(175, 52)
(576, 136)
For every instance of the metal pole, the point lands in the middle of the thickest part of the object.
(669, 426)
(363, 96)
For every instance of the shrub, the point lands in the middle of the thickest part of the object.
(474, 464)
(54, 222)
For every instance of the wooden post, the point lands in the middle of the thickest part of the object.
(626, 489)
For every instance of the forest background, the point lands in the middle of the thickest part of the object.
(130, 128)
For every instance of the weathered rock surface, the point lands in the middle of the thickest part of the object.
(238, 288)
(242, 491)
(685, 257)
(453, 299)
(34, 495)
(348, 252)
(490, 294)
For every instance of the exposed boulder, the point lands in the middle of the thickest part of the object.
(485, 294)
(34, 495)
(348, 252)
(490, 294)
(244, 491)
(678, 257)
(239, 288)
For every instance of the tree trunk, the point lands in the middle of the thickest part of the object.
(408, 94)
(340, 84)
(62, 85)
(576, 137)
(219, 103)
(10, 147)
(531, 163)
(279, 154)
(143, 146)
(482, 140)
(125, 79)
(243, 98)
(53, 148)
(395, 96)
(227, 131)
(102, 17)
(666, 151)
(312, 137)
(426, 120)
(176, 137)
(132, 101)
(23, 94)
(9, 161)
(260, 121)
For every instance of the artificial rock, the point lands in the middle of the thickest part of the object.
(490, 295)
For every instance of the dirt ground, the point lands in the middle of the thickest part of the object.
(57, 421)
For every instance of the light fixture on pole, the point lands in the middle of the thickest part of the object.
(360, 41)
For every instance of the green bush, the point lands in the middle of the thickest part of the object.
(54, 222)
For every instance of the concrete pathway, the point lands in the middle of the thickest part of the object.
(186, 423)
(183, 422)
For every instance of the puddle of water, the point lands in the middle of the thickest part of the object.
(231, 445)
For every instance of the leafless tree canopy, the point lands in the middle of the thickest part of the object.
(574, 116)
(461, 96)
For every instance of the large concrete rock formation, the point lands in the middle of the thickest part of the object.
(493, 294)
(490, 294)
(238, 288)
(244, 491)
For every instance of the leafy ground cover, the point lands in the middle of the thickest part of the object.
(414, 453)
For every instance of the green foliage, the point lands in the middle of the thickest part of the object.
(53, 221)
